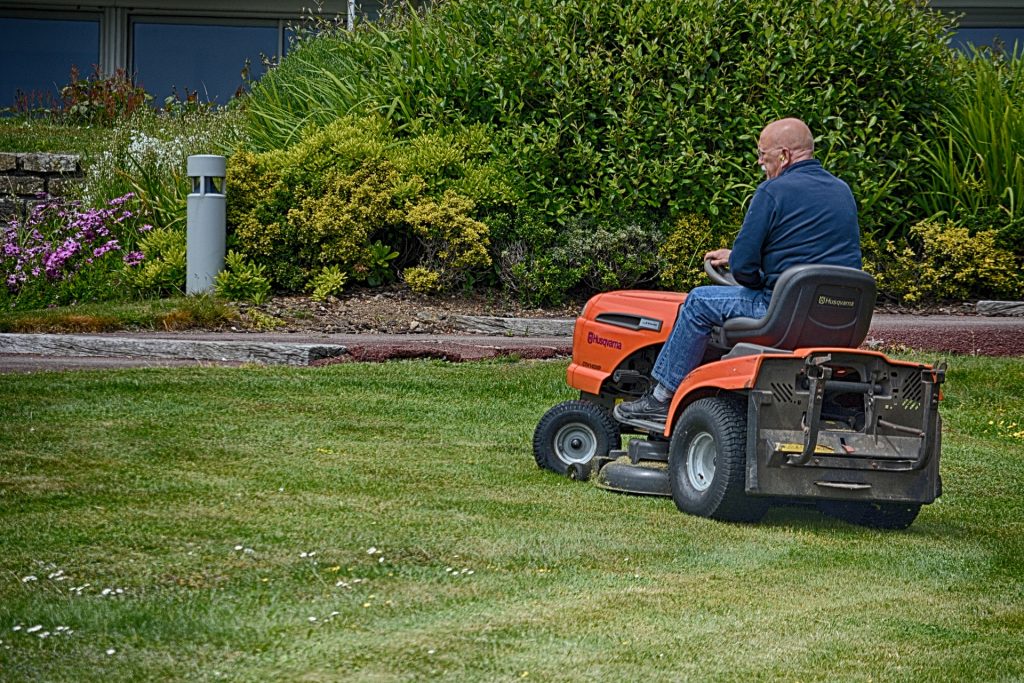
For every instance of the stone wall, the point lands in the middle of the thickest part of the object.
(28, 179)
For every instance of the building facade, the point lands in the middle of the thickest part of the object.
(206, 47)
(210, 47)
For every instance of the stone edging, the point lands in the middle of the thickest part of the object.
(27, 179)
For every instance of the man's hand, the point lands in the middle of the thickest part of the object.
(718, 257)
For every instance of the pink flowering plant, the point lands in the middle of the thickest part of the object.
(63, 254)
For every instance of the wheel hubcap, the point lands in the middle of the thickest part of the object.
(575, 443)
(700, 461)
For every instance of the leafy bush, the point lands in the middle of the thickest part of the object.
(943, 260)
(647, 107)
(242, 280)
(682, 254)
(344, 193)
(328, 282)
(163, 269)
(453, 243)
(975, 149)
(639, 108)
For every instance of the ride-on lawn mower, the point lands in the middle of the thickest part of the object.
(784, 409)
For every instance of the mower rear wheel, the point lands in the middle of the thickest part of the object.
(707, 462)
(571, 435)
(872, 514)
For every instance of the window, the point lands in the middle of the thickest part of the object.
(1000, 36)
(206, 58)
(38, 54)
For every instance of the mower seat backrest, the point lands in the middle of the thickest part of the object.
(811, 305)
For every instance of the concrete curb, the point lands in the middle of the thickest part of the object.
(70, 345)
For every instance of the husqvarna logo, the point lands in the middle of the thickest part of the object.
(603, 341)
(840, 303)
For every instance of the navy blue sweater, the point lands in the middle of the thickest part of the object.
(803, 215)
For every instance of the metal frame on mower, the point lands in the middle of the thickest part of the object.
(851, 431)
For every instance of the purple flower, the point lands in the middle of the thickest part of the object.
(112, 245)
(118, 201)
(133, 258)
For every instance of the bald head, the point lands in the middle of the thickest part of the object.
(784, 143)
(792, 134)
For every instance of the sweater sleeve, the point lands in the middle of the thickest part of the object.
(745, 260)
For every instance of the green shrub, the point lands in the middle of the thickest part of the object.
(242, 280)
(162, 271)
(377, 269)
(682, 254)
(422, 280)
(330, 281)
(943, 260)
(645, 107)
(341, 193)
(453, 243)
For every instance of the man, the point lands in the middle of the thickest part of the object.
(800, 214)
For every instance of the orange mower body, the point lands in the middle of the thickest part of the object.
(848, 430)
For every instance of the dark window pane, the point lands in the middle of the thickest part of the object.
(1002, 36)
(37, 54)
(205, 58)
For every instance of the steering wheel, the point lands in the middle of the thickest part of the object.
(719, 275)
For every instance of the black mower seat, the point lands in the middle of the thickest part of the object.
(811, 305)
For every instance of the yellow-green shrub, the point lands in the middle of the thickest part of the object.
(343, 194)
(422, 280)
(943, 260)
(682, 254)
(454, 244)
(162, 272)
(334, 226)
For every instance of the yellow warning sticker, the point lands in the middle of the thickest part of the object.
(799, 448)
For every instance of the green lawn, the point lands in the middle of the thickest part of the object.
(387, 523)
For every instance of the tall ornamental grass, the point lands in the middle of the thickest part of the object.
(975, 155)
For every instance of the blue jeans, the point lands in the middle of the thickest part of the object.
(704, 308)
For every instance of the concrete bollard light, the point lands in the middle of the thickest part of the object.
(207, 226)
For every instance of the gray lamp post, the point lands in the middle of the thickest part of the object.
(207, 226)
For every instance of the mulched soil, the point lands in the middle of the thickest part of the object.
(393, 310)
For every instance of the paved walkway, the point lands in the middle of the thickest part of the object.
(971, 335)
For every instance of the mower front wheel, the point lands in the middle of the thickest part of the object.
(707, 462)
(571, 435)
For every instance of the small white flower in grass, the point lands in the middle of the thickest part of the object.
(311, 619)
(44, 634)
(380, 560)
(17, 628)
(431, 652)
(248, 551)
(334, 614)
(56, 575)
(29, 578)
(33, 629)
(111, 651)
(239, 547)
(371, 550)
